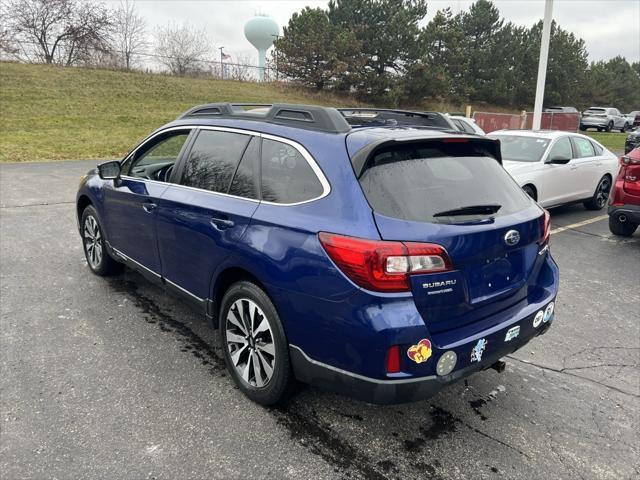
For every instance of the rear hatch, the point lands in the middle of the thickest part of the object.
(595, 112)
(454, 192)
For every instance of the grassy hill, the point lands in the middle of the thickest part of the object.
(55, 113)
(52, 113)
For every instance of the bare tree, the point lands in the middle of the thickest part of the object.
(59, 31)
(7, 40)
(129, 35)
(182, 49)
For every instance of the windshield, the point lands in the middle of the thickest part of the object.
(411, 184)
(522, 149)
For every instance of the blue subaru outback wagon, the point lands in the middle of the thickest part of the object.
(371, 252)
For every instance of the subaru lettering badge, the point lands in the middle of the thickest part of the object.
(512, 237)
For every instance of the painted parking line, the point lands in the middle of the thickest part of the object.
(578, 224)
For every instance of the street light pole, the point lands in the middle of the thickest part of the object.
(221, 62)
(542, 64)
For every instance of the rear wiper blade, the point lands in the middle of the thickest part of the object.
(470, 210)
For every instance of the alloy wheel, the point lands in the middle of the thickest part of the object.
(250, 342)
(602, 194)
(92, 242)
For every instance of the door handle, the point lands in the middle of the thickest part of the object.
(221, 223)
(149, 207)
(573, 167)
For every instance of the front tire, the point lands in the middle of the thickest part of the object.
(94, 245)
(254, 344)
(600, 196)
(617, 227)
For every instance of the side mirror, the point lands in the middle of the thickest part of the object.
(559, 160)
(109, 170)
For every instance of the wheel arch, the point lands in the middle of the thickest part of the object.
(223, 280)
(83, 202)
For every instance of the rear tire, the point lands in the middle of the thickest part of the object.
(582, 129)
(94, 245)
(609, 127)
(600, 196)
(624, 128)
(617, 227)
(254, 344)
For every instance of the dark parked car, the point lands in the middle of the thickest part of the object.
(635, 116)
(624, 203)
(384, 262)
(632, 141)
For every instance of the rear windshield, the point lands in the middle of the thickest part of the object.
(595, 110)
(413, 183)
(522, 149)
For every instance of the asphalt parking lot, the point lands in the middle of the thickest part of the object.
(117, 379)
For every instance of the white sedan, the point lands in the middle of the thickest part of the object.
(558, 167)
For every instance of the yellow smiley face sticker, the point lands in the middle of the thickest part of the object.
(421, 352)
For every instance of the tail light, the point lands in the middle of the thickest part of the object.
(383, 266)
(393, 359)
(626, 160)
(546, 229)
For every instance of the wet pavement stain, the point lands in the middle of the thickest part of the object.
(302, 426)
(476, 405)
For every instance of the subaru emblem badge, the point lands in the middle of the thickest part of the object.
(511, 238)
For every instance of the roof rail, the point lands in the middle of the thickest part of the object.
(309, 117)
(366, 117)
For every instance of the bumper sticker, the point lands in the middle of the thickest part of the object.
(478, 350)
(512, 333)
(421, 352)
(538, 319)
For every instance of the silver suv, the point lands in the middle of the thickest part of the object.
(604, 118)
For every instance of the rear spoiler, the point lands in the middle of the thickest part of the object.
(456, 146)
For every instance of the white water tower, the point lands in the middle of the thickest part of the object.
(261, 31)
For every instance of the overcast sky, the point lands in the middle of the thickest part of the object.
(609, 27)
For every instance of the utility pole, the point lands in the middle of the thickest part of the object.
(276, 52)
(221, 62)
(542, 64)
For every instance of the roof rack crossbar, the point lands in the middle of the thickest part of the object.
(310, 117)
(388, 116)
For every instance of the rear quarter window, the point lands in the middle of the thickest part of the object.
(287, 177)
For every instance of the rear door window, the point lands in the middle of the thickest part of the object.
(213, 160)
(414, 182)
(583, 147)
(287, 177)
(245, 180)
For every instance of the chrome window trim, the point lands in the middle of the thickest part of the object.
(326, 186)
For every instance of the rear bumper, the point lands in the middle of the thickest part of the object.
(631, 212)
(593, 122)
(401, 390)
